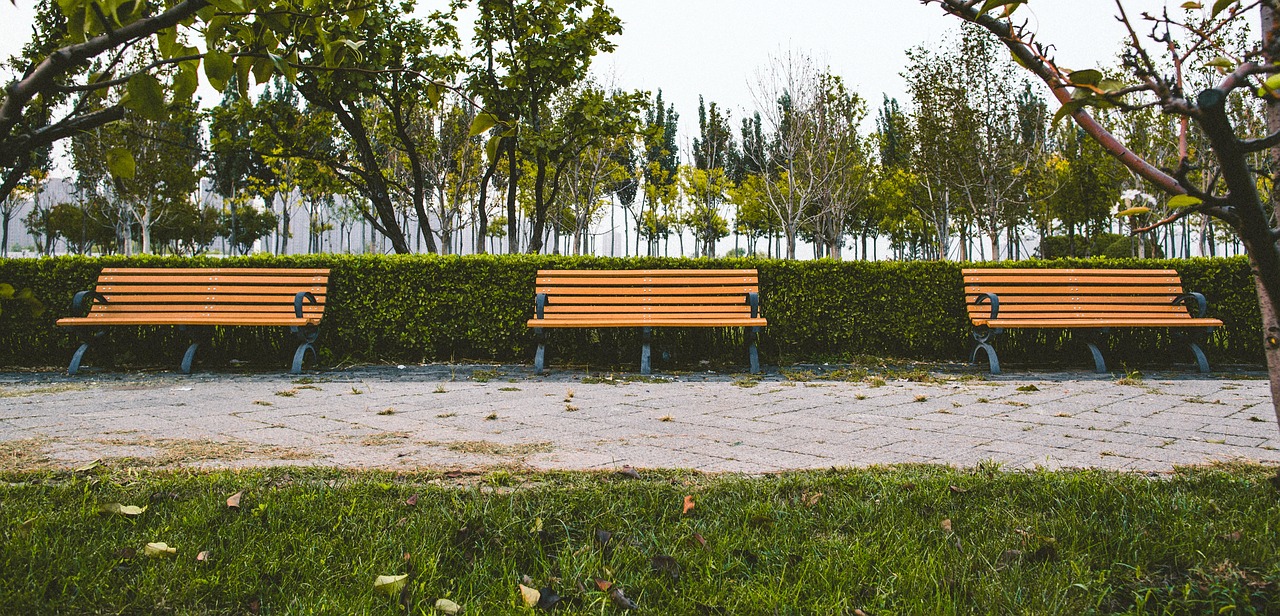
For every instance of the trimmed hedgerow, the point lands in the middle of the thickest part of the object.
(391, 308)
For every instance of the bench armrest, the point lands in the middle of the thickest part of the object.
(540, 302)
(753, 300)
(1186, 299)
(80, 308)
(297, 302)
(989, 297)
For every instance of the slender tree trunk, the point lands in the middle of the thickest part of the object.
(513, 167)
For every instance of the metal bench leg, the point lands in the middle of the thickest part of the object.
(1193, 341)
(753, 355)
(78, 356)
(646, 337)
(307, 335)
(1092, 338)
(540, 356)
(196, 335)
(982, 338)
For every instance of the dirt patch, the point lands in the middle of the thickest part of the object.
(381, 439)
(489, 448)
(22, 391)
(175, 451)
(26, 454)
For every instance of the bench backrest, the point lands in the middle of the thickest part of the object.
(597, 294)
(1065, 294)
(251, 293)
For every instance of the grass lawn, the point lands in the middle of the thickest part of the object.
(902, 540)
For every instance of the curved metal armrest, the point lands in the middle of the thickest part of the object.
(78, 305)
(989, 297)
(297, 302)
(540, 302)
(753, 300)
(1201, 306)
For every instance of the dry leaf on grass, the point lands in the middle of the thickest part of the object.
(627, 471)
(390, 584)
(946, 525)
(957, 489)
(809, 499)
(117, 508)
(411, 501)
(447, 607)
(688, 504)
(530, 596)
(203, 556)
(621, 600)
(666, 564)
(233, 501)
(159, 550)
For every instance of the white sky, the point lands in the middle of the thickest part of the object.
(714, 47)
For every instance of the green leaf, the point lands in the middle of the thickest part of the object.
(1221, 62)
(1087, 77)
(491, 148)
(1066, 110)
(1184, 201)
(108, 508)
(218, 68)
(167, 42)
(482, 123)
(434, 92)
(1133, 211)
(120, 163)
(158, 549)
(146, 97)
(1220, 6)
(1191, 6)
(228, 6)
(993, 4)
(185, 81)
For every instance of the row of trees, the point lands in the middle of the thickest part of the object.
(382, 124)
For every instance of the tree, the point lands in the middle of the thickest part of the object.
(531, 51)
(706, 183)
(78, 72)
(1232, 195)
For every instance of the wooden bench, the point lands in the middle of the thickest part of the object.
(198, 299)
(648, 299)
(1089, 301)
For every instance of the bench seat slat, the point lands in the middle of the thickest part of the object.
(225, 279)
(741, 290)
(649, 280)
(1075, 289)
(193, 319)
(196, 298)
(135, 289)
(1081, 299)
(553, 309)
(1101, 322)
(646, 272)
(978, 272)
(1110, 279)
(654, 321)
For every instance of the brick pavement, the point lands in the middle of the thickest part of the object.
(472, 417)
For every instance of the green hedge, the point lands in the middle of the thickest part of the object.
(440, 308)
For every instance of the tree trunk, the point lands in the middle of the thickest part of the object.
(513, 237)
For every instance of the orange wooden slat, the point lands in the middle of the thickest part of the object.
(656, 321)
(137, 289)
(194, 319)
(1067, 271)
(222, 298)
(623, 300)
(1011, 300)
(647, 281)
(179, 271)
(1021, 308)
(1074, 289)
(213, 279)
(178, 308)
(577, 309)
(1100, 322)
(651, 291)
(1038, 280)
(644, 273)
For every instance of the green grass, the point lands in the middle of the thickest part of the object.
(826, 542)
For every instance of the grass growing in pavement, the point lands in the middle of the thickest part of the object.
(884, 540)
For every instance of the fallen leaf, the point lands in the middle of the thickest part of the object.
(90, 466)
(203, 556)
(526, 580)
(448, 607)
(390, 584)
(666, 564)
(702, 541)
(412, 501)
(537, 526)
(688, 504)
(530, 596)
(1028, 388)
(809, 499)
(957, 489)
(1232, 536)
(548, 599)
(621, 600)
(159, 550)
(603, 585)
(858, 612)
(402, 521)
(946, 525)
(629, 472)
(233, 501)
(109, 508)
(603, 536)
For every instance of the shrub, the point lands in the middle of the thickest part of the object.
(391, 308)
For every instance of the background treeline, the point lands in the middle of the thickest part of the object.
(513, 146)
(411, 308)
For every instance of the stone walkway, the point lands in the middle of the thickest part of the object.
(474, 417)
